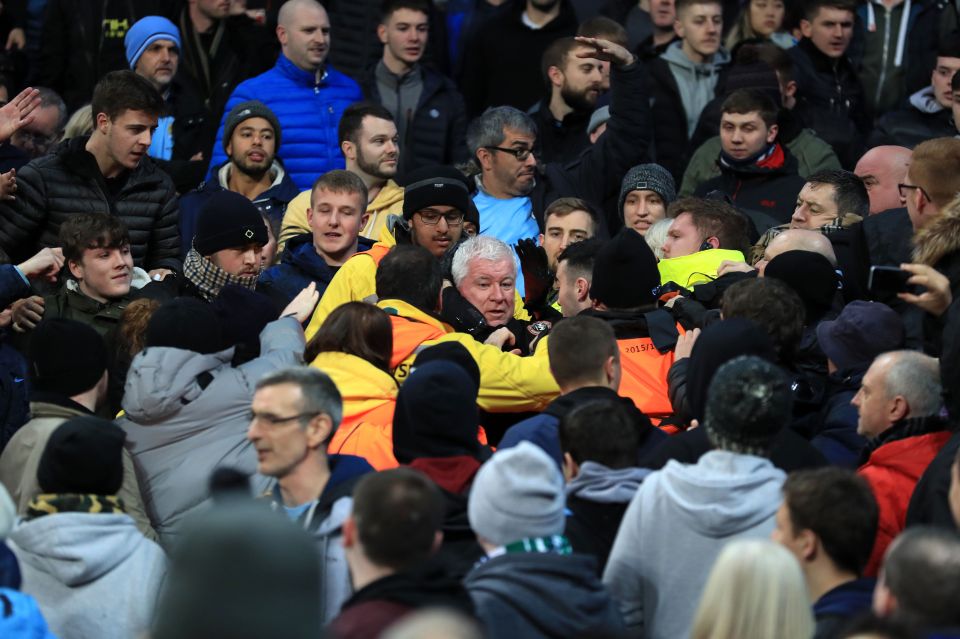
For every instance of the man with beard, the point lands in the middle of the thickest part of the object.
(251, 139)
(426, 106)
(370, 146)
(575, 81)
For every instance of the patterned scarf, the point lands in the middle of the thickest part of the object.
(210, 278)
(52, 503)
(555, 545)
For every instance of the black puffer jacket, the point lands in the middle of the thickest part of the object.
(68, 181)
(437, 128)
(923, 120)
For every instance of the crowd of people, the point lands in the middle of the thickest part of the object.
(458, 319)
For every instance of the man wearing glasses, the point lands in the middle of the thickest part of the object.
(39, 136)
(436, 201)
(932, 180)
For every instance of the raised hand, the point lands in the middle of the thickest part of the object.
(18, 112)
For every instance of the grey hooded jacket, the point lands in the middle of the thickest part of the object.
(696, 82)
(187, 414)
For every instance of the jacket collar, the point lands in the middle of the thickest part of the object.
(905, 428)
(73, 153)
(298, 75)
(45, 404)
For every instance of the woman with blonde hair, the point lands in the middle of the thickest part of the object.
(755, 591)
(353, 347)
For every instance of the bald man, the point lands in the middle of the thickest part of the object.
(307, 95)
(790, 240)
(882, 168)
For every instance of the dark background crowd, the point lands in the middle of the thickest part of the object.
(479, 318)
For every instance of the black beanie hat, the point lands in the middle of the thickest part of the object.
(811, 276)
(84, 455)
(625, 273)
(451, 352)
(435, 185)
(245, 111)
(186, 323)
(749, 402)
(228, 220)
(66, 357)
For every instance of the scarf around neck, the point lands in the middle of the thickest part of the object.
(53, 503)
(210, 278)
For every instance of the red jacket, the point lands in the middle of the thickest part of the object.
(893, 470)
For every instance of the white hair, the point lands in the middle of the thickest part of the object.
(480, 247)
(915, 377)
(755, 590)
(656, 235)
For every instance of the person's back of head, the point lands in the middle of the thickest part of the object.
(625, 273)
(583, 352)
(358, 329)
(83, 456)
(606, 432)
(185, 323)
(410, 274)
(862, 332)
(831, 514)
(755, 590)
(575, 275)
(749, 402)
(811, 276)
(920, 579)
(397, 518)
(516, 495)
(772, 305)
(798, 240)
(241, 572)
(67, 358)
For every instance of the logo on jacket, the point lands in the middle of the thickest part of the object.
(770, 204)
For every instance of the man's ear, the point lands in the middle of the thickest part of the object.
(583, 289)
(570, 468)
(899, 409)
(349, 150)
(349, 531)
(713, 241)
(555, 75)
(485, 159)
(678, 28)
(809, 544)
(75, 269)
(382, 33)
(806, 28)
(102, 120)
(363, 220)
(772, 133)
(319, 430)
(437, 541)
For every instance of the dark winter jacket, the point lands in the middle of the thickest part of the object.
(381, 603)
(769, 186)
(68, 181)
(272, 203)
(830, 100)
(836, 433)
(436, 129)
(309, 112)
(923, 120)
(82, 41)
(929, 504)
(11, 157)
(560, 141)
(501, 65)
(541, 595)
(835, 607)
(299, 265)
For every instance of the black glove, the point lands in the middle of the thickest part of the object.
(537, 279)
(462, 315)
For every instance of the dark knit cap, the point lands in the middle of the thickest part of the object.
(66, 357)
(186, 323)
(811, 275)
(748, 402)
(862, 331)
(451, 352)
(625, 273)
(84, 455)
(435, 185)
(648, 177)
(754, 75)
(228, 220)
(245, 111)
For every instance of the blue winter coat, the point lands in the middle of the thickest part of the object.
(299, 265)
(272, 203)
(309, 113)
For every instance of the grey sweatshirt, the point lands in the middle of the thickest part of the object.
(697, 82)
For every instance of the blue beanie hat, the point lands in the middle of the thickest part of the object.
(145, 32)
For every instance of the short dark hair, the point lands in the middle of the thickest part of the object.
(604, 431)
(683, 5)
(771, 55)
(120, 91)
(579, 347)
(743, 101)
(604, 27)
(714, 218)
(849, 193)
(949, 47)
(410, 274)
(387, 8)
(580, 256)
(556, 55)
(84, 231)
(351, 122)
(922, 570)
(564, 206)
(340, 181)
(839, 507)
(398, 513)
(772, 305)
(812, 7)
(358, 329)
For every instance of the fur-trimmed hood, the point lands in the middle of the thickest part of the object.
(940, 238)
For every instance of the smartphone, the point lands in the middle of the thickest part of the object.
(888, 280)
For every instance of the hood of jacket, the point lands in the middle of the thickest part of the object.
(603, 485)
(677, 59)
(557, 594)
(357, 379)
(162, 380)
(925, 101)
(390, 194)
(77, 548)
(724, 493)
